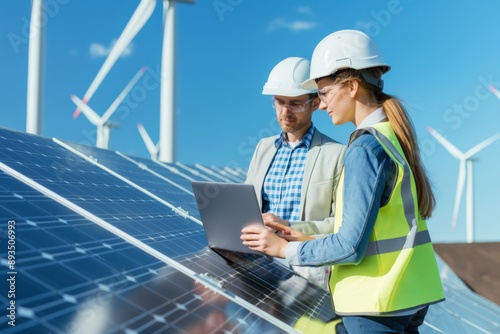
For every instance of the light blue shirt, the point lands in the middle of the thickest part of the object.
(368, 172)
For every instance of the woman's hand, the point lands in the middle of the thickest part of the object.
(272, 239)
(264, 240)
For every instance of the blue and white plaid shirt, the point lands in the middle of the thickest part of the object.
(283, 182)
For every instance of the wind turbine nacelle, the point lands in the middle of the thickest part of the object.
(112, 124)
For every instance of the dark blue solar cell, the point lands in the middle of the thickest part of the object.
(59, 276)
(26, 288)
(41, 239)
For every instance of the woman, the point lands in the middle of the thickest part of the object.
(385, 272)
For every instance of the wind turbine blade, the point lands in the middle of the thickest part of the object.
(447, 145)
(76, 113)
(122, 95)
(481, 145)
(495, 91)
(134, 25)
(147, 139)
(458, 197)
(87, 111)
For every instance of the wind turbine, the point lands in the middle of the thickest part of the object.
(134, 25)
(153, 149)
(102, 123)
(465, 172)
(167, 85)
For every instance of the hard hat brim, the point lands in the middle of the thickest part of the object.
(292, 92)
(310, 84)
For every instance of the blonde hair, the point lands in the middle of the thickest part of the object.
(404, 130)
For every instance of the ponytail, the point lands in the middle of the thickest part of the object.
(404, 130)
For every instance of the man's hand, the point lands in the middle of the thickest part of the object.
(272, 218)
(286, 232)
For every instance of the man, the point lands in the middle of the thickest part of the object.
(296, 172)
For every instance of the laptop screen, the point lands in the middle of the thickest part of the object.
(225, 208)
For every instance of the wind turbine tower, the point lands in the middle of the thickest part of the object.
(35, 70)
(167, 87)
(464, 173)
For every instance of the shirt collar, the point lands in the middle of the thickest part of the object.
(377, 116)
(306, 140)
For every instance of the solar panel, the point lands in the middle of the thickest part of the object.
(464, 311)
(77, 190)
(108, 243)
(72, 273)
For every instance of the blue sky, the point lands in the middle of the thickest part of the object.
(443, 57)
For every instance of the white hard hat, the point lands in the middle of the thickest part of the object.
(286, 78)
(344, 49)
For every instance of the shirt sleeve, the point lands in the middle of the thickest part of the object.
(366, 173)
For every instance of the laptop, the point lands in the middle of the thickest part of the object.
(225, 208)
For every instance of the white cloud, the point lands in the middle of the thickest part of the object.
(305, 10)
(100, 50)
(281, 23)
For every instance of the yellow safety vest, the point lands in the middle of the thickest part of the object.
(309, 325)
(399, 270)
